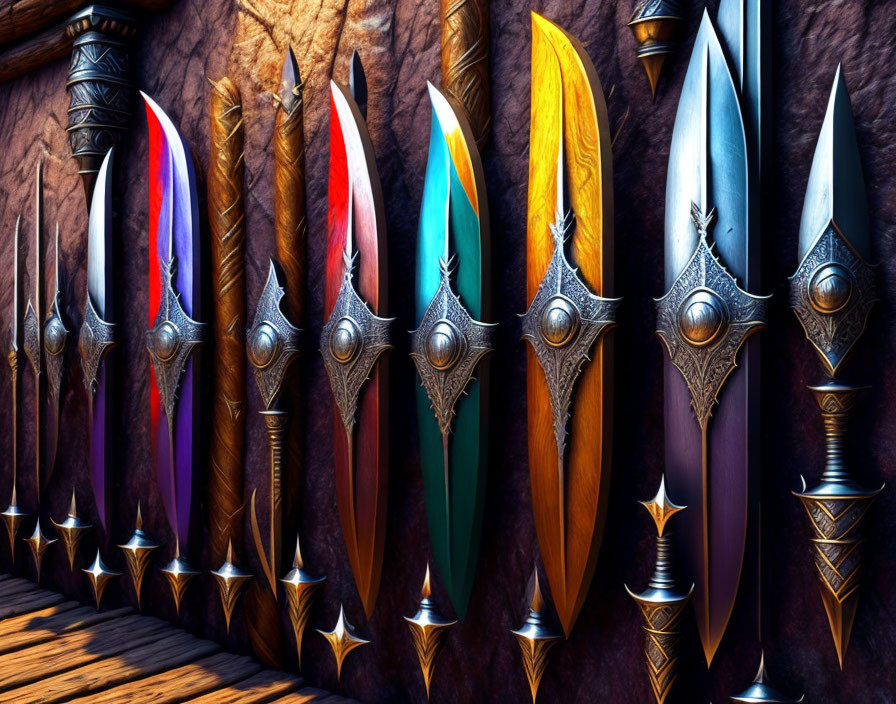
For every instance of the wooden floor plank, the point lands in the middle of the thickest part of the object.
(172, 651)
(28, 601)
(260, 688)
(197, 678)
(309, 695)
(79, 648)
(16, 585)
(41, 626)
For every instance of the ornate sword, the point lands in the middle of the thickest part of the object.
(832, 293)
(355, 336)
(704, 319)
(55, 343)
(13, 516)
(95, 340)
(452, 294)
(569, 265)
(174, 308)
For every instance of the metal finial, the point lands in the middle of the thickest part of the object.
(71, 531)
(536, 639)
(100, 576)
(300, 588)
(230, 580)
(137, 552)
(428, 629)
(342, 640)
(38, 543)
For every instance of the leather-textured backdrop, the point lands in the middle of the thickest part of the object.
(399, 40)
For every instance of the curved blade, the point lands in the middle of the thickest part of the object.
(836, 188)
(454, 224)
(173, 238)
(100, 292)
(356, 226)
(709, 472)
(569, 502)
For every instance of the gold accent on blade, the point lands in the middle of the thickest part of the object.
(71, 532)
(230, 580)
(38, 543)
(428, 629)
(100, 576)
(300, 588)
(342, 640)
(137, 552)
(13, 517)
(179, 574)
(536, 639)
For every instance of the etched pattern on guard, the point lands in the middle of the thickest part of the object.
(95, 339)
(832, 293)
(351, 341)
(704, 319)
(55, 338)
(31, 338)
(562, 324)
(171, 340)
(273, 342)
(447, 347)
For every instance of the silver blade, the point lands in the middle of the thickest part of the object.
(836, 189)
(708, 163)
(99, 279)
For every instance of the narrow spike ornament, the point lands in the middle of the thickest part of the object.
(100, 576)
(832, 293)
(230, 580)
(342, 640)
(179, 574)
(536, 639)
(13, 517)
(656, 25)
(300, 588)
(762, 691)
(662, 604)
(71, 532)
(428, 630)
(137, 552)
(38, 544)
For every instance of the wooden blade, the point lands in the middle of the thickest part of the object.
(568, 103)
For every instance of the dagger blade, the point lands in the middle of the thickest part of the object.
(452, 247)
(174, 293)
(100, 291)
(709, 469)
(836, 188)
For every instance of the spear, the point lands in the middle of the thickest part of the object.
(832, 293)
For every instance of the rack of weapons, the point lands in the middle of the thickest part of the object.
(706, 320)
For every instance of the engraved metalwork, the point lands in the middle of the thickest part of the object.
(762, 691)
(100, 576)
(656, 26)
(272, 342)
(95, 339)
(832, 293)
(99, 85)
(230, 580)
(171, 341)
(300, 588)
(38, 544)
(536, 639)
(662, 604)
(704, 319)
(836, 509)
(342, 640)
(31, 337)
(137, 552)
(428, 629)
(179, 574)
(562, 324)
(352, 340)
(447, 347)
(71, 532)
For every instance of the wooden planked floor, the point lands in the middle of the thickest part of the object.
(54, 650)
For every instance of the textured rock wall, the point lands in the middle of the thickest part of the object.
(399, 41)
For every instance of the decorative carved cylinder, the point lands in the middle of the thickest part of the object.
(465, 62)
(99, 86)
